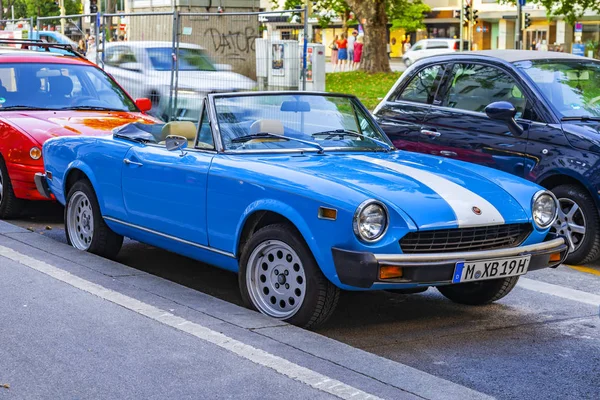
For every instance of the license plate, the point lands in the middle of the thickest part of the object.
(469, 271)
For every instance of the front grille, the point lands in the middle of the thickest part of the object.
(465, 239)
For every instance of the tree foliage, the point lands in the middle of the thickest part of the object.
(571, 10)
(407, 14)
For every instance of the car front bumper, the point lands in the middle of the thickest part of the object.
(362, 269)
(41, 185)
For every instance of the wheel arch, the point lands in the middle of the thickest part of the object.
(552, 180)
(268, 212)
(77, 171)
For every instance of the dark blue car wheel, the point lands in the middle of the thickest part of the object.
(279, 277)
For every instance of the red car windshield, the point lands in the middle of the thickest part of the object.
(33, 86)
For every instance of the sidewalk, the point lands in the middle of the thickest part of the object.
(75, 325)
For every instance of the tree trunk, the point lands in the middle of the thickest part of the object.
(374, 56)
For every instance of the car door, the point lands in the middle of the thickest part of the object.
(457, 126)
(402, 115)
(123, 65)
(165, 191)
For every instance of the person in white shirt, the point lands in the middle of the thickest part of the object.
(351, 41)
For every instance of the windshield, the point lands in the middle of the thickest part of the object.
(572, 87)
(291, 122)
(59, 87)
(189, 59)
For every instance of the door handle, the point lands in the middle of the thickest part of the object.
(448, 153)
(428, 132)
(127, 161)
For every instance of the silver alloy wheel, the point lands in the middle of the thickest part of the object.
(80, 221)
(275, 279)
(570, 223)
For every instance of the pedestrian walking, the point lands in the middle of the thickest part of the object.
(81, 47)
(358, 49)
(334, 50)
(532, 47)
(351, 41)
(544, 46)
(342, 45)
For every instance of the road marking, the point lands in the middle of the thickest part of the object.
(587, 270)
(560, 291)
(257, 356)
(460, 199)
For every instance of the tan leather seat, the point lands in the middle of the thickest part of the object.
(187, 129)
(273, 126)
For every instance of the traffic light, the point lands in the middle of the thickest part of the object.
(93, 6)
(475, 17)
(467, 12)
(527, 20)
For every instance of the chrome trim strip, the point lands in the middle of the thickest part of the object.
(471, 255)
(141, 228)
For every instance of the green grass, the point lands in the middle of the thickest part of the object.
(370, 89)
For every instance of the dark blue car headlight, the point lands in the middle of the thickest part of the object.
(371, 221)
(544, 209)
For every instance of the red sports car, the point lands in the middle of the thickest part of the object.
(49, 94)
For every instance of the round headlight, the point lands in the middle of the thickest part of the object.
(370, 221)
(35, 153)
(544, 209)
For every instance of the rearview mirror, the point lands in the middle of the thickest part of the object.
(295, 106)
(506, 112)
(143, 104)
(174, 142)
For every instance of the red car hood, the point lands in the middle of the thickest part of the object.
(43, 125)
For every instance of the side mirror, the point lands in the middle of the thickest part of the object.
(143, 104)
(174, 142)
(506, 112)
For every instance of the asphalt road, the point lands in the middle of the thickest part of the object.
(529, 345)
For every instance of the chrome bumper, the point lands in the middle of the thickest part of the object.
(42, 185)
(361, 269)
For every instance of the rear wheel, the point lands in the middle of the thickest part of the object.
(407, 62)
(10, 205)
(479, 293)
(579, 222)
(84, 225)
(279, 277)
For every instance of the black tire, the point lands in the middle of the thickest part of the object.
(321, 297)
(479, 293)
(588, 248)
(104, 242)
(10, 205)
(407, 62)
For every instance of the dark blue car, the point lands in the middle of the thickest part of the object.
(533, 114)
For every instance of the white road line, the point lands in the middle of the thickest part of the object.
(560, 291)
(257, 356)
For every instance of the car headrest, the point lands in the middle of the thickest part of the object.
(60, 85)
(187, 129)
(273, 126)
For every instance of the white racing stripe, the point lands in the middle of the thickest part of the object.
(560, 291)
(460, 199)
(257, 356)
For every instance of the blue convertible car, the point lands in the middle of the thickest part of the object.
(304, 195)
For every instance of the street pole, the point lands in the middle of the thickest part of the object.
(470, 27)
(305, 49)
(462, 27)
(519, 24)
(61, 4)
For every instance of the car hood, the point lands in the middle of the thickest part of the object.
(583, 135)
(43, 125)
(433, 192)
(208, 81)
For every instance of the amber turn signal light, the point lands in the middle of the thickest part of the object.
(555, 257)
(390, 272)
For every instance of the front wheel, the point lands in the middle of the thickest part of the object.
(407, 62)
(479, 293)
(10, 205)
(280, 278)
(84, 225)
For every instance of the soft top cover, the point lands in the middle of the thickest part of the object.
(140, 132)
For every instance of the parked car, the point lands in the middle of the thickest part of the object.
(50, 94)
(44, 36)
(431, 47)
(533, 114)
(303, 195)
(144, 70)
